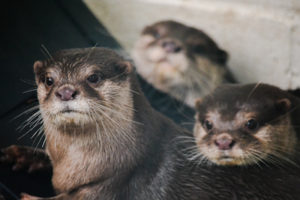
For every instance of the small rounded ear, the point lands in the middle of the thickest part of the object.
(198, 103)
(222, 57)
(149, 30)
(37, 67)
(38, 70)
(283, 105)
(124, 67)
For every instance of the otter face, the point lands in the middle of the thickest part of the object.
(235, 126)
(172, 56)
(161, 54)
(169, 47)
(78, 87)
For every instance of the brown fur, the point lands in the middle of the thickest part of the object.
(75, 142)
(151, 164)
(96, 139)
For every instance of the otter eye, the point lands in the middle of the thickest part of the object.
(94, 78)
(208, 125)
(251, 124)
(156, 35)
(49, 81)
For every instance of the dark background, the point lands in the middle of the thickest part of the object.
(29, 28)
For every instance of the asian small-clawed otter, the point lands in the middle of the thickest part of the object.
(105, 141)
(180, 60)
(102, 137)
(251, 132)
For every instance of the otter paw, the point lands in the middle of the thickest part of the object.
(25, 196)
(25, 158)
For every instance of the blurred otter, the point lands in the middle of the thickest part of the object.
(248, 124)
(180, 60)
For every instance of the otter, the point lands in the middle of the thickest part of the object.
(246, 142)
(142, 156)
(248, 124)
(180, 60)
(103, 139)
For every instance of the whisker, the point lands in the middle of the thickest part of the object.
(41, 138)
(100, 109)
(91, 51)
(121, 115)
(30, 121)
(26, 111)
(120, 107)
(44, 142)
(28, 82)
(253, 90)
(31, 90)
(38, 122)
(46, 52)
(187, 123)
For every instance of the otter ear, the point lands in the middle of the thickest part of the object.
(222, 57)
(283, 105)
(198, 103)
(147, 30)
(124, 67)
(37, 67)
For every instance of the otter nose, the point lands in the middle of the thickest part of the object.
(224, 141)
(171, 47)
(66, 94)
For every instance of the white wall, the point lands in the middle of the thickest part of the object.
(261, 36)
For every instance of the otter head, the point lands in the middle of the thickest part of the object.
(169, 47)
(170, 55)
(242, 125)
(83, 87)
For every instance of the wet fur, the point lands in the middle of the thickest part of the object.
(118, 149)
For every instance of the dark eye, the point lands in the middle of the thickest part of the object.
(49, 81)
(94, 78)
(251, 124)
(208, 125)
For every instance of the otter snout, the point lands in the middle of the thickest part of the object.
(224, 141)
(66, 93)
